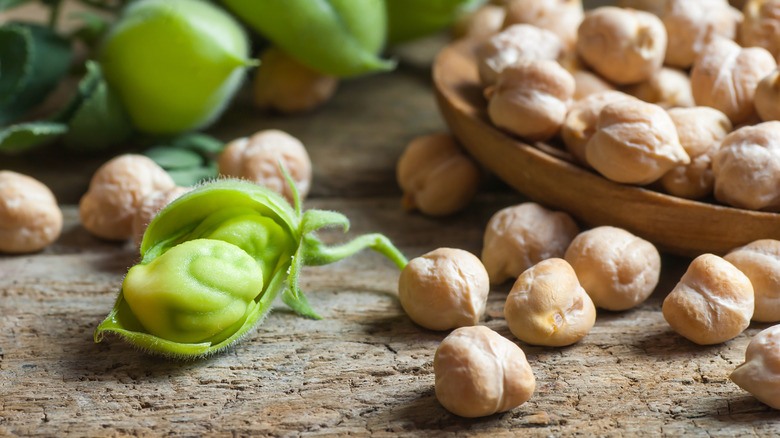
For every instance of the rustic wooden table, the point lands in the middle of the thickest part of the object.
(365, 368)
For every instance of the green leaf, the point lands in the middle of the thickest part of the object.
(23, 136)
(48, 61)
(93, 28)
(193, 176)
(99, 122)
(87, 85)
(173, 158)
(203, 144)
(15, 61)
(10, 4)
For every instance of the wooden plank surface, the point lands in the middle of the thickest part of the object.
(365, 368)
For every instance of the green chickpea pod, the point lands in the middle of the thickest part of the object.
(213, 262)
(175, 64)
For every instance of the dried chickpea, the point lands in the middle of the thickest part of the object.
(485, 21)
(767, 98)
(701, 130)
(531, 99)
(625, 46)
(760, 373)
(547, 305)
(444, 289)
(635, 142)
(617, 269)
(760, 23)
(150, 205)
(562, 17)
(479, 372)
(257, 159)
(521, 236)
(116, 190)
(668, 88)
(285, 85)
(653, 6)
(746, 168)
(587, 83)
(712, 303)
(514, 44)
(691, 23)
(436, 176)
(30, 218)
(724, 76)
(581, 120)
(760, 261)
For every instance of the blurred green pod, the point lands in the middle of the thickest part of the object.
(175, 64)
(336, 37)
(213, 262)
(410, 19)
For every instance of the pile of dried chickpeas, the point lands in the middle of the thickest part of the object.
(682, 95)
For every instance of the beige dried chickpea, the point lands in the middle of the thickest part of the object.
(746, 168)
(691, 23)
(767, 98)
(116, 190)
(485, 21)
(257, 159)
(635, 143)
(283, 84)
(617, 269)
(444, 289)
(760, 261)
(436, 176)
(530, 99)
(760, 373)
(478, 372)
(30, 219)
(625, 46)
(548, 306)
(668, 88)
(581, 120)
(562, 17)
(701, 130)
(150, 206)
(587, 83)
(761, 20)
(512, 45)
(523, 235)
(724, 76)
(712, 303)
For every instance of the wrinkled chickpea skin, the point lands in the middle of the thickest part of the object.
(116, 190)
(479, 372)
(444, 289)
(712, 303)
(512, 45)
(562, 17)
(617, 269)
(635, 143)
(691, 23)
(436, 176)
(547, 305)
(257, 158)
(746, 168)
(285, 85)
(150, 206)
(761, 19)
(724, 76)
(521, 236)
(701, 130)
(625, 46)
(668, 88)
(530, 99)
(767, 98)
(487, 20)
(760, 262)
(760, 373)
(30, 218)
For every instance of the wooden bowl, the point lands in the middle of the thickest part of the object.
(544, 175)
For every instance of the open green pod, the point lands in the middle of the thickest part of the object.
(214, 261)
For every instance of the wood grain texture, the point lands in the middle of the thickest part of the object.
(674, 224)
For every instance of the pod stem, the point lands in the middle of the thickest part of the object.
(317, 253)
